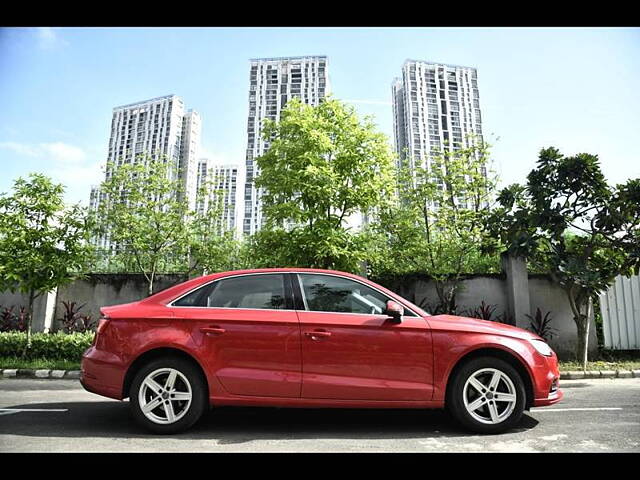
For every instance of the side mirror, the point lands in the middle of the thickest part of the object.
(395, 311)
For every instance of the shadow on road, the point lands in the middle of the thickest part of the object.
(232, 425)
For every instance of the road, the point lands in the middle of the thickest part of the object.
(595, 416)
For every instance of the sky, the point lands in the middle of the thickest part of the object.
(572, 88)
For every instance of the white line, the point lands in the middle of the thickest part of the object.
(586, 409)
(34, 409)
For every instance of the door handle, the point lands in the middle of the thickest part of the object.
(212, 330)
(318, 334)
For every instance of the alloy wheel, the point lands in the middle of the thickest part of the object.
(165, 396)
(489, 396)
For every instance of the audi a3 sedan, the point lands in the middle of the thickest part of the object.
(310, 338)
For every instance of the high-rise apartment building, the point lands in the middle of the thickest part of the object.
(272, 82)
(160, 128)
(222, 181)
(435, 107)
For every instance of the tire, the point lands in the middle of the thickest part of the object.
(478, 408)
(168, 413)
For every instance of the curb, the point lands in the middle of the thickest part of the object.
(579, 374)
(75, 374)
(39, 373)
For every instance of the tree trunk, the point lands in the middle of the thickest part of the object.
(582, 346)
(27, 347)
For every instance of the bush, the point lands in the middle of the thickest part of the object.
(55, 346)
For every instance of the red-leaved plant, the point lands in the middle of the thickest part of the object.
(73, 321)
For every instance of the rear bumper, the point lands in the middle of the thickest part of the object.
(101, 373)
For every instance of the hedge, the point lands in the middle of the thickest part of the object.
(54, 346)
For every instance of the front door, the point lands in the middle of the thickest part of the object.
(352, 351)
(249, 333)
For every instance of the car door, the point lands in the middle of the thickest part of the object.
(350, 348)
(246, 328)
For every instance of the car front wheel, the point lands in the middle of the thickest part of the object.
(168, 395)
(487, 395)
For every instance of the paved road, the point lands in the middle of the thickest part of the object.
(595, 416)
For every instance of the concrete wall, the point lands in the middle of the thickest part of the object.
(97, 290)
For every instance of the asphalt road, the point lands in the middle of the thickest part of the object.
(595, 416)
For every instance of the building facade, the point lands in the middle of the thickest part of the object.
(220, 183)
(272, 82)
(159, 128)
(436, 107)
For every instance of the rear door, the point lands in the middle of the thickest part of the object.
(247, 329)
(350, 349)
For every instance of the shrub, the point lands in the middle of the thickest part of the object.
(483, 311)
(59, 346)
(74, 321)
(541, 324)
(10, 320)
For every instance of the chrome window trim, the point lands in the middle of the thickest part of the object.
(171, 304)
(304, 298)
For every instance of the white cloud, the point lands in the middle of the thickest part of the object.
(20, 148)
(49, 39)
(64, 153)
(65, 163)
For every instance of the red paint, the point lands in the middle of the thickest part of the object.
(299, 358)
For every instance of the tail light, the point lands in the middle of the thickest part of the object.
(102, 325)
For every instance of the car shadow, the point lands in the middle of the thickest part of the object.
(233, 425)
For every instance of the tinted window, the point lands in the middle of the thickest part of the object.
(194, 299)
(251, 291)
(324, 293)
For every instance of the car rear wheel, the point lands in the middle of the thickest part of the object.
(168, 395)
(487, 395)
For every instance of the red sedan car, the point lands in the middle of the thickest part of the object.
(294, 337)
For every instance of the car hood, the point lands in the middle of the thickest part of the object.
(475, 325)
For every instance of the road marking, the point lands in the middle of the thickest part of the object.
(9, 411)
(585, 409)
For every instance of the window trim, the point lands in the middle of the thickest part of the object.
(287, 293)
(304, 299)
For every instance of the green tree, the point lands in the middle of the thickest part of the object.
(570, 223)
(145, 216)
(323, 165)
(43, 243)
(434, 226)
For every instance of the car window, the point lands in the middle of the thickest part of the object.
(325, 293)
(197, 298)
(248, 291)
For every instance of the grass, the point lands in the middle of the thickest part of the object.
(602, 365)
(39, 363)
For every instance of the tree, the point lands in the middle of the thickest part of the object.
(434, 225)
(43, 243)
(569, 222)
(322, 166)
(145, 216)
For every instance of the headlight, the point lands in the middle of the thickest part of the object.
(542, 347)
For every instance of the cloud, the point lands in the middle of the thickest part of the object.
(64, 153)
(65, 163)
(20, 148)
(49, 39)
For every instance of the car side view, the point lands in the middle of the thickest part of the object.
(295, 337)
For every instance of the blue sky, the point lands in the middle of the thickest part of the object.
(574, 88)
